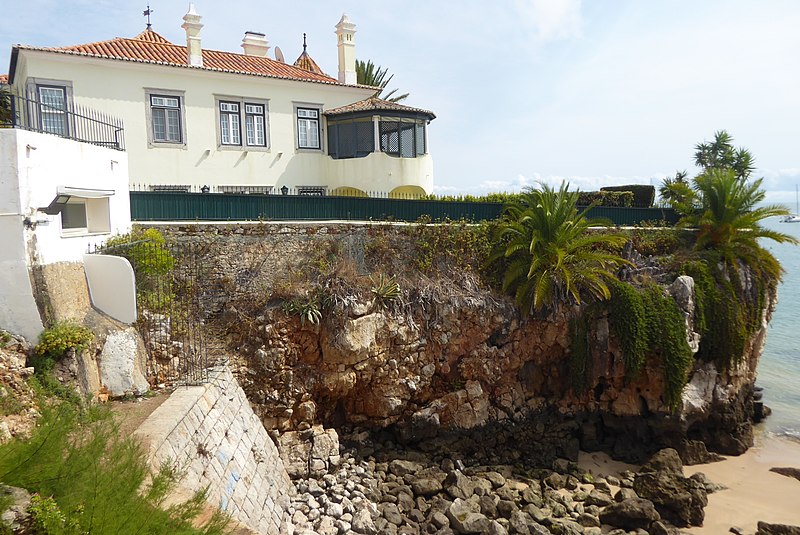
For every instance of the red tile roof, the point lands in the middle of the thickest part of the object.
(378, 104)
(307, 63)
(150, 47)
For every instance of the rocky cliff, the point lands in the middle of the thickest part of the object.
(450, 361)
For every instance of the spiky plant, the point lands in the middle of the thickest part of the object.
(550, 257)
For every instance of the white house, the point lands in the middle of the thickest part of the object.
(235, 122)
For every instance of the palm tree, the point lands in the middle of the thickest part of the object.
(550, 257)
(721, 154)
(677, 192)
(370, 74)
(729, 219)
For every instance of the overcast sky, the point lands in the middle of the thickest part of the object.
(596, 92)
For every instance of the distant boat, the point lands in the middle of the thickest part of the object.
(794, 218)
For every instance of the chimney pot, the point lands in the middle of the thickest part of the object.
(192, 25)
(255, 44)
(345, 36)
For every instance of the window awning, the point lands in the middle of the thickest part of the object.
(65, 193)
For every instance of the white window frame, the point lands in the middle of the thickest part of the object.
(230, 123)
(97, 215)
(299, 108)
(150, 94)
(243, 103)
(32, 86)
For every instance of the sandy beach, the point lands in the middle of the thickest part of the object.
(754, 493)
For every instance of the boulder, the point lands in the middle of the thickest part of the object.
(122, 363)
(777, 529)
(786, 471)
(458, 485)
(666, 460)
(630, 514)
(464, 520)
(678, 499)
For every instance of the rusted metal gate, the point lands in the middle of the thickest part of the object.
(175, 291)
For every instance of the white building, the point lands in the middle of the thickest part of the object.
(235, 122)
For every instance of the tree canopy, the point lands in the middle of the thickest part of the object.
(367, 73)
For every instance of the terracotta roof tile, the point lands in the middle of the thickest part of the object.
(307, 63)
(150, 47)
(377, 104)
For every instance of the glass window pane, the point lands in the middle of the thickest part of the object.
(173, 125)
(235, 136)
(159, 125)
(73, 215)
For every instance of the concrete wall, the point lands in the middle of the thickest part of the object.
(38, 261)
(213, 433)
(118, 88)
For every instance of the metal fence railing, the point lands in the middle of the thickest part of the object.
(189, 206)
(175, 294)
(62, 118)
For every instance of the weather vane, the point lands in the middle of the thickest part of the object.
(147, 13)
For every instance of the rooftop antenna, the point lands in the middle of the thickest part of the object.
(147, 12)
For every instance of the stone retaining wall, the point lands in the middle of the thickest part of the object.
(213, 434)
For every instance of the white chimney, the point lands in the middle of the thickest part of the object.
(192, 25)
(345, 33)
(255, 44)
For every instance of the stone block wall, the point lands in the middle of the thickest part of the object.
(214, 436)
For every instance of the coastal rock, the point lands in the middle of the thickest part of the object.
(630, 514)
(786, 471)
(678, 499)
(464, 520)
(777, 529)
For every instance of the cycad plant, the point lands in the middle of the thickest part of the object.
(730, 218)
(550, 257)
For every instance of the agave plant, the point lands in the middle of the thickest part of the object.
(550, 256)
(385, 289)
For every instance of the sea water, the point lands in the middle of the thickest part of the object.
(779, 369)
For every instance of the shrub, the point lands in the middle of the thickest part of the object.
(91, 479)
(385, 289)
(643, 194)
(56, 340)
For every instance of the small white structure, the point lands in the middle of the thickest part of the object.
(236, 122)
(57, 196)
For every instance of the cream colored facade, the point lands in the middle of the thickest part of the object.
(122, 89)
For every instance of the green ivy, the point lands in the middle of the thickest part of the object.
(666, 336)
(626, 313)
(726, 315)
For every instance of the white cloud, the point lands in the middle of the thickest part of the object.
(552, 19)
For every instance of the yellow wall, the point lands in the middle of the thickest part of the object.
(118, 88)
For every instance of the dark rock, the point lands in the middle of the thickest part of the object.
(458, 485)
(777, 529)
(488, 506)
(601, 499)
(666, 460)
(506, 508)
(786, 471)
(631, 514)
(695, 452)
(624, 494)
(709, 485)
(426, 487)
(586, 520)
(660, 527)
(678, 499)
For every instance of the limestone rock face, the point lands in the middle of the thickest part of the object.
(354, 342)
(122, 363)
(309, 453)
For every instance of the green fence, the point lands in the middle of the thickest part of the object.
(168, 206)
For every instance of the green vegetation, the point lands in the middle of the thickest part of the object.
(548, 256)
(367, 73)
(585, 198)
(385, 289)
(152, 262)
(643, 194)
(307, 307)
(457, 244)
(55, 341)
(90, 479)
(6, 114)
